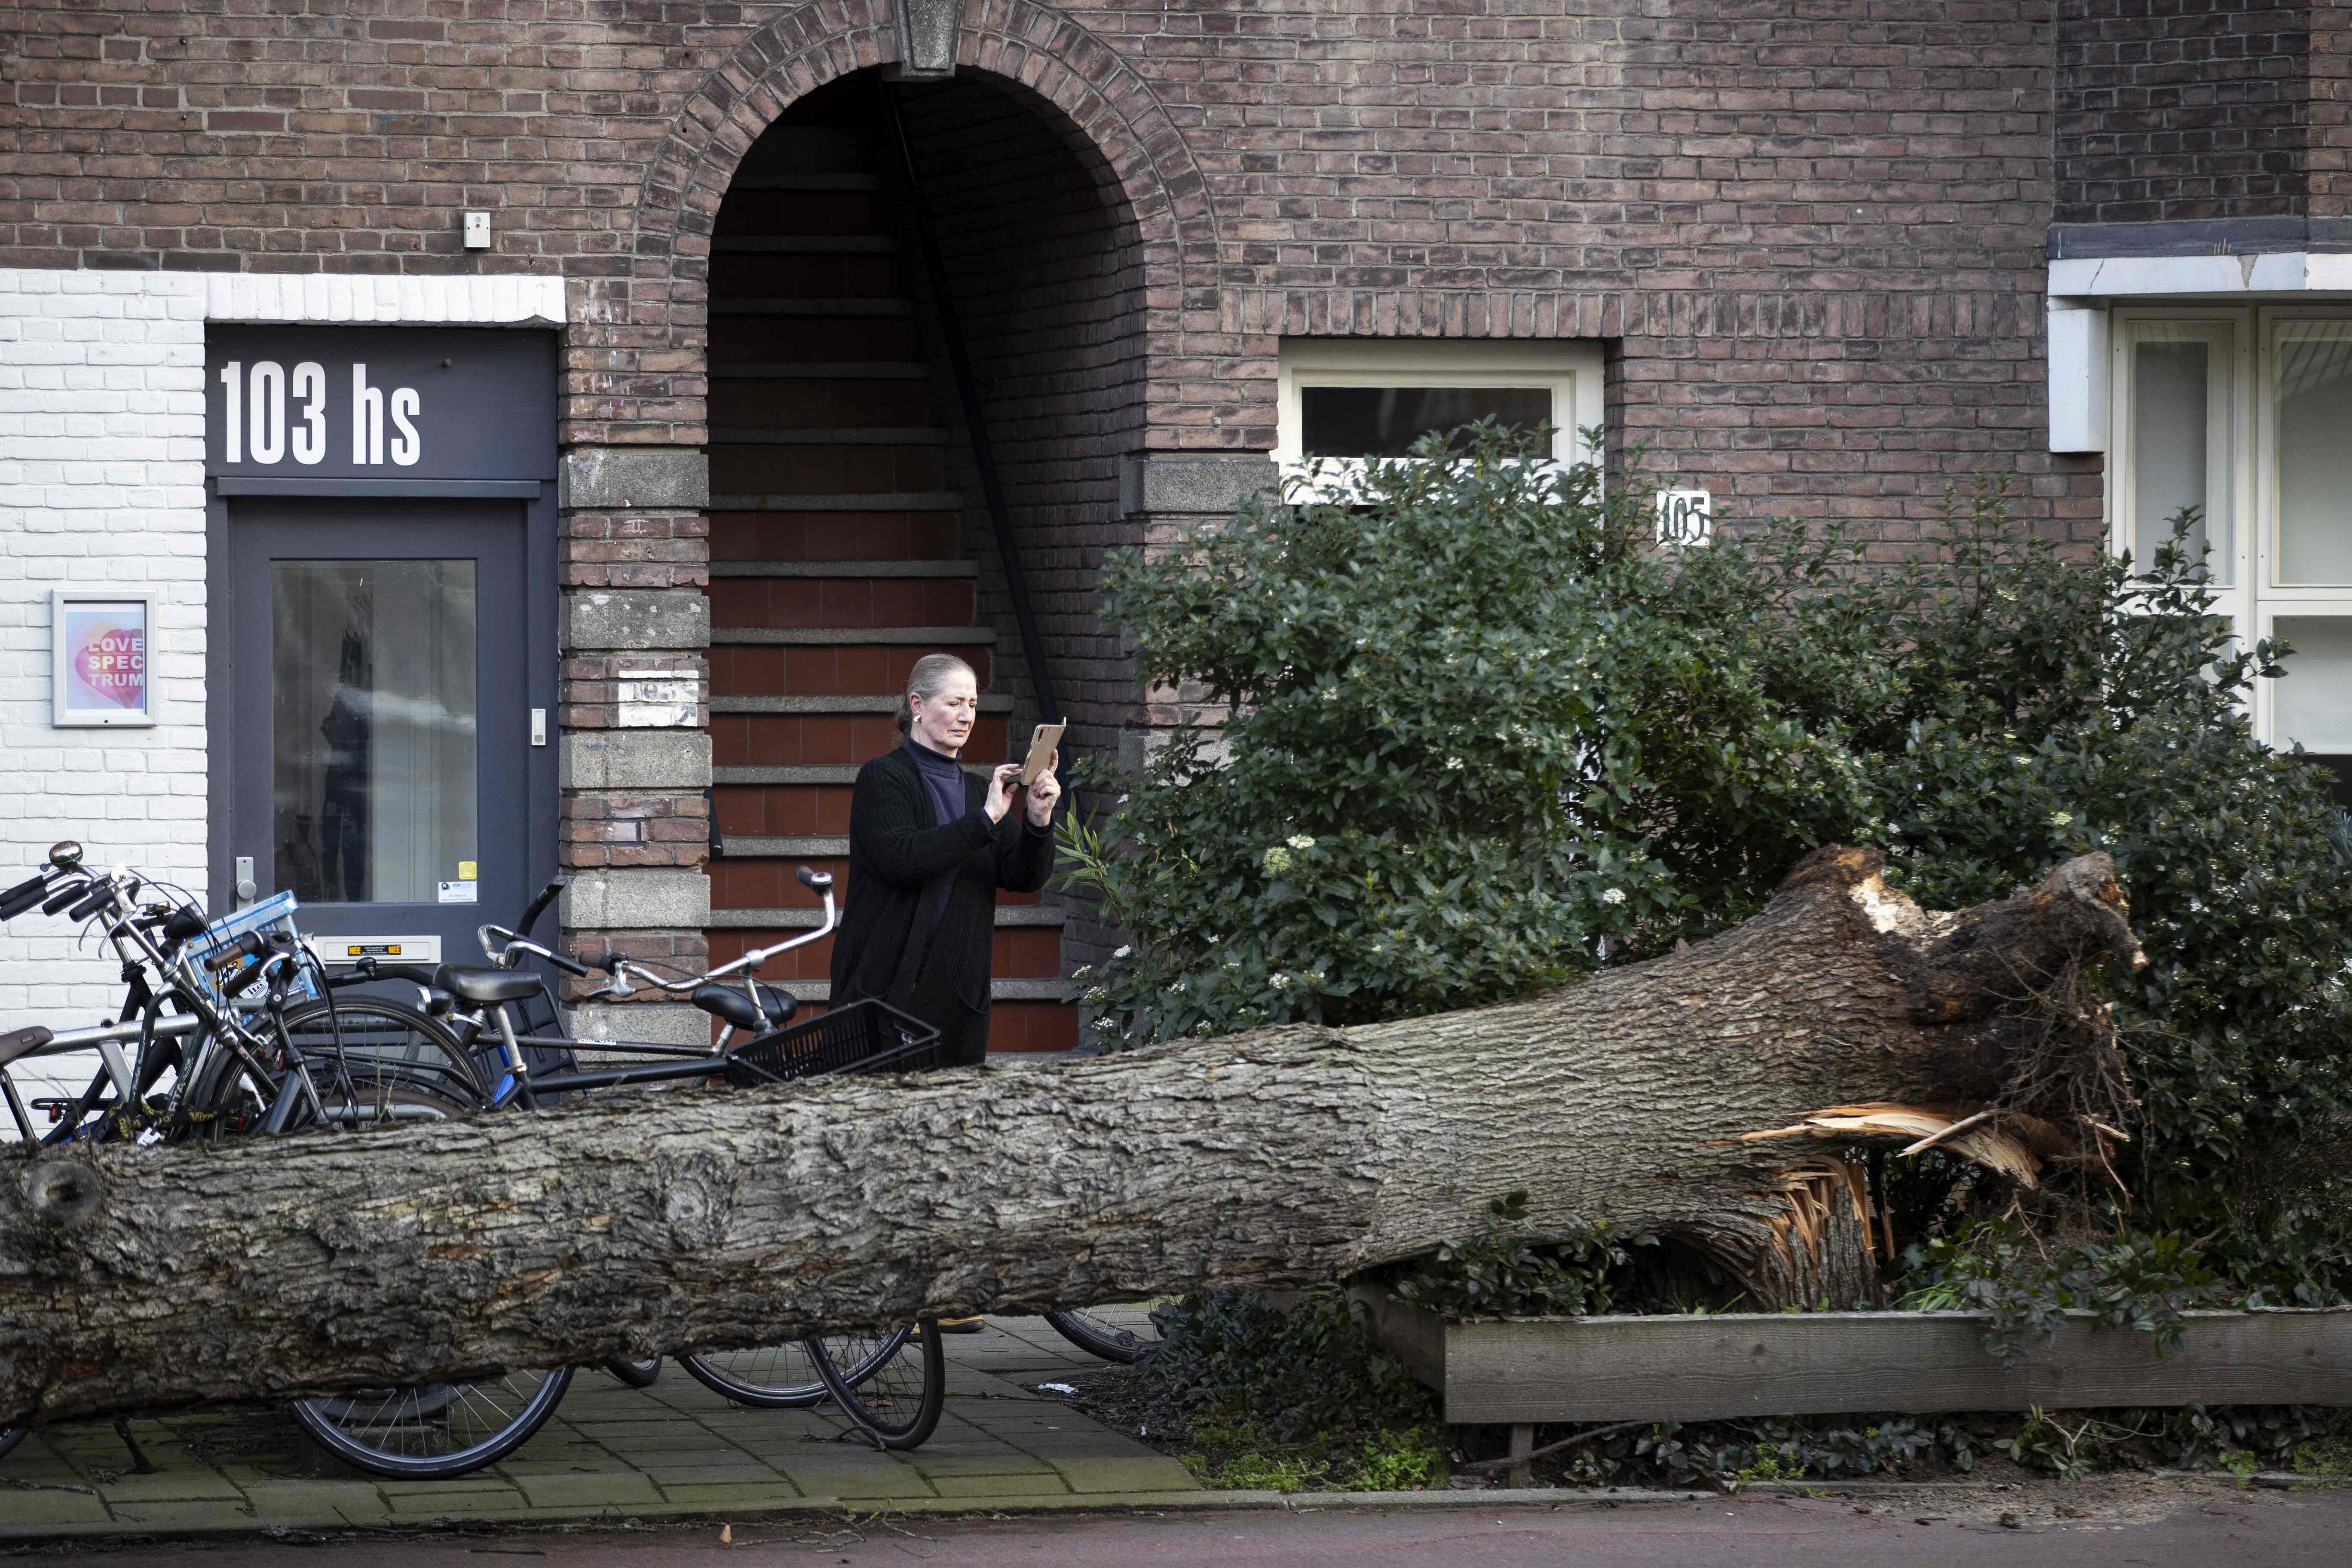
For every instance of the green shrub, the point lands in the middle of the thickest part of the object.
(1228, 1358)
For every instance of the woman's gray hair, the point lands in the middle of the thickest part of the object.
(927, 680)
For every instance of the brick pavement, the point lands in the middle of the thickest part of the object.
(609, 1452)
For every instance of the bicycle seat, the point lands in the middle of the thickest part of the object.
(23, 1042)
(775, 1009)
(485, 985)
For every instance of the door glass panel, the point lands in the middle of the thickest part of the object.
(2173, 447)
(2314, 452)
(374, 787)
(1385, 421)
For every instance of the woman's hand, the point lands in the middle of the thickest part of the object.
(1001, 786)
(1045, 793)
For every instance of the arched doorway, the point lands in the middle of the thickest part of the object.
(876, 235)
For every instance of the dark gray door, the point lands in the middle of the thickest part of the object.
(379, 715)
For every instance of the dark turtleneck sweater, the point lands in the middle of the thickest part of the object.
(942, 777)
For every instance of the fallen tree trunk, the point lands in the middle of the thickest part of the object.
(637, 1223)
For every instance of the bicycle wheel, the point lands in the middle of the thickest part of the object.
(897, 1402)
(435, 1431)
(395, 1066)
(786, 1377)
(374, 1062)
(637, 1373)
(1101, 1334)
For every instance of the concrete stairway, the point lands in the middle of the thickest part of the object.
(834, 557)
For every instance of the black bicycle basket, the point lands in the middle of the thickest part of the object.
(870, 1035)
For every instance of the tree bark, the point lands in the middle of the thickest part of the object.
(644, 1223)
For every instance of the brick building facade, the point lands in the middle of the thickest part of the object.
(1812, 252)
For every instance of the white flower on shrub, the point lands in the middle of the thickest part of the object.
(1613, 896)
(1122, 953)
(1453, 764)
(1104, 1023)
(1300, 841)
(1277, 860)
(1281, 982)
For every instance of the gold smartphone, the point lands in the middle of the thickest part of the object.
(1042, 747)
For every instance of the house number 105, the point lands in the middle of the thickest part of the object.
(256, 404)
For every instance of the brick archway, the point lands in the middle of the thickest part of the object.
(1100, 101)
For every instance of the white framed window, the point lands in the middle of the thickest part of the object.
(2246, 414)
(1342, 400)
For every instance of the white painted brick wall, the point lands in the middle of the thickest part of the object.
(101, 481)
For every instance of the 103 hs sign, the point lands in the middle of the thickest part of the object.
(397, 406)
(270, 412)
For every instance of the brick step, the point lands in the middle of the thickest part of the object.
(817, 370)
(1031, 953)
(837, 275)
(772, 883)
(796, 338)
(828, 436)
(798, 214)
(828, 569)
(829, 182)
(795, 149)
(780, 920)
(769, 740)
(855, 637)
(906, 472)
(805, 538)
(784, 404)
(780, 600)
(739, 669)
(878, 500)
(808, 305)
(829, 702)
(804, 245)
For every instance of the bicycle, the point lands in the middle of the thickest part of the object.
(387, 1062)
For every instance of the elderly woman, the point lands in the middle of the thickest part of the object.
(929, 848)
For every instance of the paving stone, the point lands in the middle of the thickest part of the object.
(714, 1493)
(999, 1485)
(28, 1512)
(618, 1489)
(187, 1482)
(185, 1513)
(277, 1500)
(883, 1478)
(1107, 1473)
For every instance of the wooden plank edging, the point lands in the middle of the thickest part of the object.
(1803, 1363)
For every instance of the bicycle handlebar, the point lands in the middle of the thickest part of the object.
(95, 901)
(23, 896)
(60, 899)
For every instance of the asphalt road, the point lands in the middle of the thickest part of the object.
(2216, 1530)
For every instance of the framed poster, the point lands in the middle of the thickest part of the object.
(99, 670)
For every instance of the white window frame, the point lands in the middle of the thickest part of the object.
(1571, 368)
(2256, 599)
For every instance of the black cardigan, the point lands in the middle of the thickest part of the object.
(895, 849)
